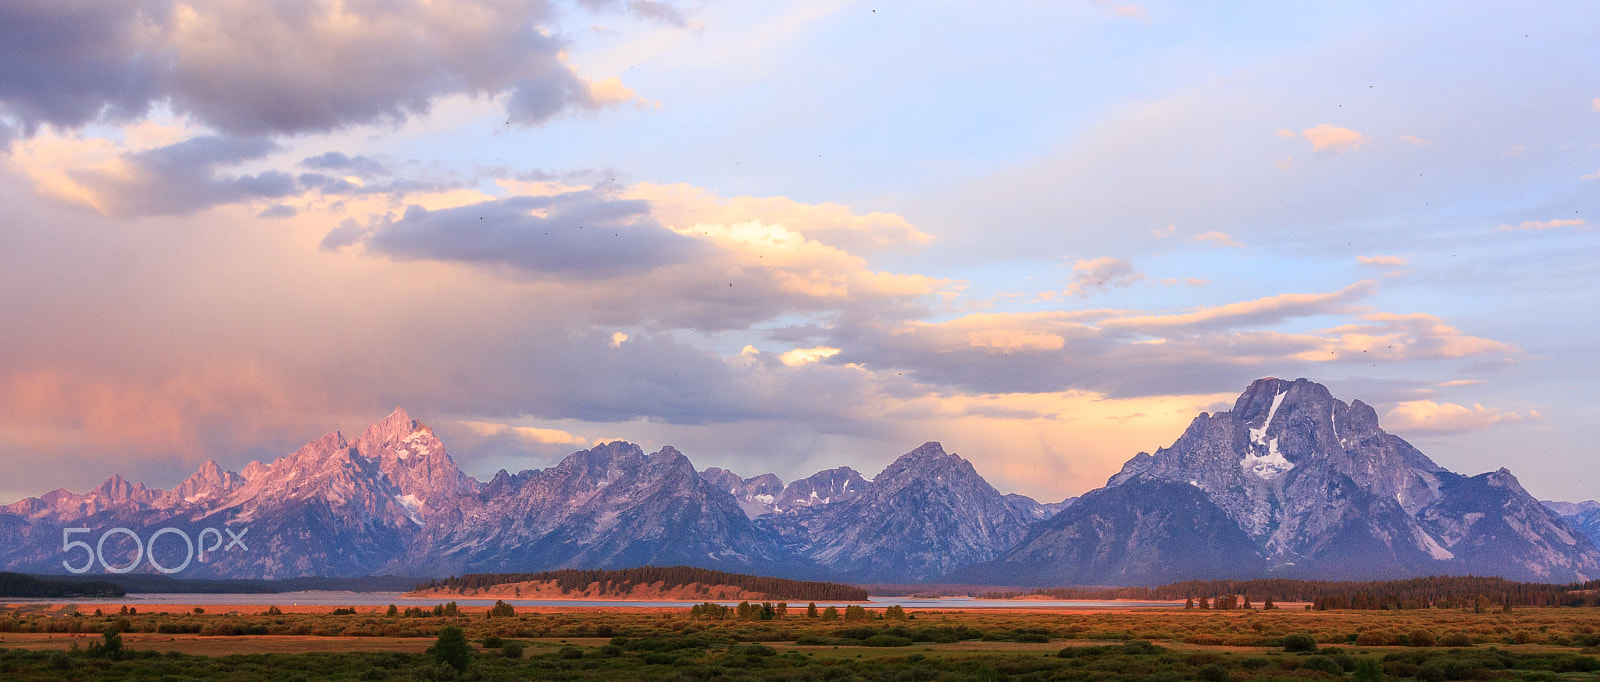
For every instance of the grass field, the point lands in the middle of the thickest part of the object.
(42, 642)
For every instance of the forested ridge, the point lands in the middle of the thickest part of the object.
(29, 587)
(1435, 591)
(623, 581)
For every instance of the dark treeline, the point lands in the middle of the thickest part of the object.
(27, 586)
(1413, 593)
(622, 581)
(136, 583)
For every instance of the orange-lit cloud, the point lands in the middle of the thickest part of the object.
(1329, 137)
(1429, 417)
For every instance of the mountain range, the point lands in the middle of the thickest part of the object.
(1291, 482)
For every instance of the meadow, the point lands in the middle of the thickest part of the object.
(44, 642)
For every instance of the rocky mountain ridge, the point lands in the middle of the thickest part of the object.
(1289, 482)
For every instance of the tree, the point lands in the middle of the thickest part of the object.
(110, 645)
(811, 610)
(501, 610)
(830, 613)
(1189, 604)
(393, 611)
(1268, 605)
(451, 648)
(1205, 602)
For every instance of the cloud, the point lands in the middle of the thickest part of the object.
(527, 433)
(683, 206)
(1431, 418)
(581, 234)
(801, 356)
(250, 68)
(182, 178)
(1382, 261)
(1396, 337)
(1329, 137)
(1129, 10)
(339, 161)
(1267, 310)
(1101, 274)
(1414, 140)
(1594, 104)
(1218, 238)
(1546, 224)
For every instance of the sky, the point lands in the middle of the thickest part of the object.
(789, 236)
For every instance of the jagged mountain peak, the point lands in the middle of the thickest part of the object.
(929, 459)
(210, 481)
(388, 431)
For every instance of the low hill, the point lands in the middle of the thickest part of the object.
(645, 583)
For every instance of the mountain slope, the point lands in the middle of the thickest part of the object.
(927, 513)
(608, 507)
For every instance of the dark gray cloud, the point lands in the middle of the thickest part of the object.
(255, 68)
(186, 177)
(580, 234)
(69, 63)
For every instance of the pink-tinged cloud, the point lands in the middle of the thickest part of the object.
(1430, 418)
(1546, 224)
(1260, 311)
(1382, 261)
(1329, 137)
(1218, 238)
(1394, 337)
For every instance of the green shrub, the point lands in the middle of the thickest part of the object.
(512, 650)
(493, 642)
(1212, 673)
(886, 640)
(1299, 643)
(1322, 664)
(1455, 639)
